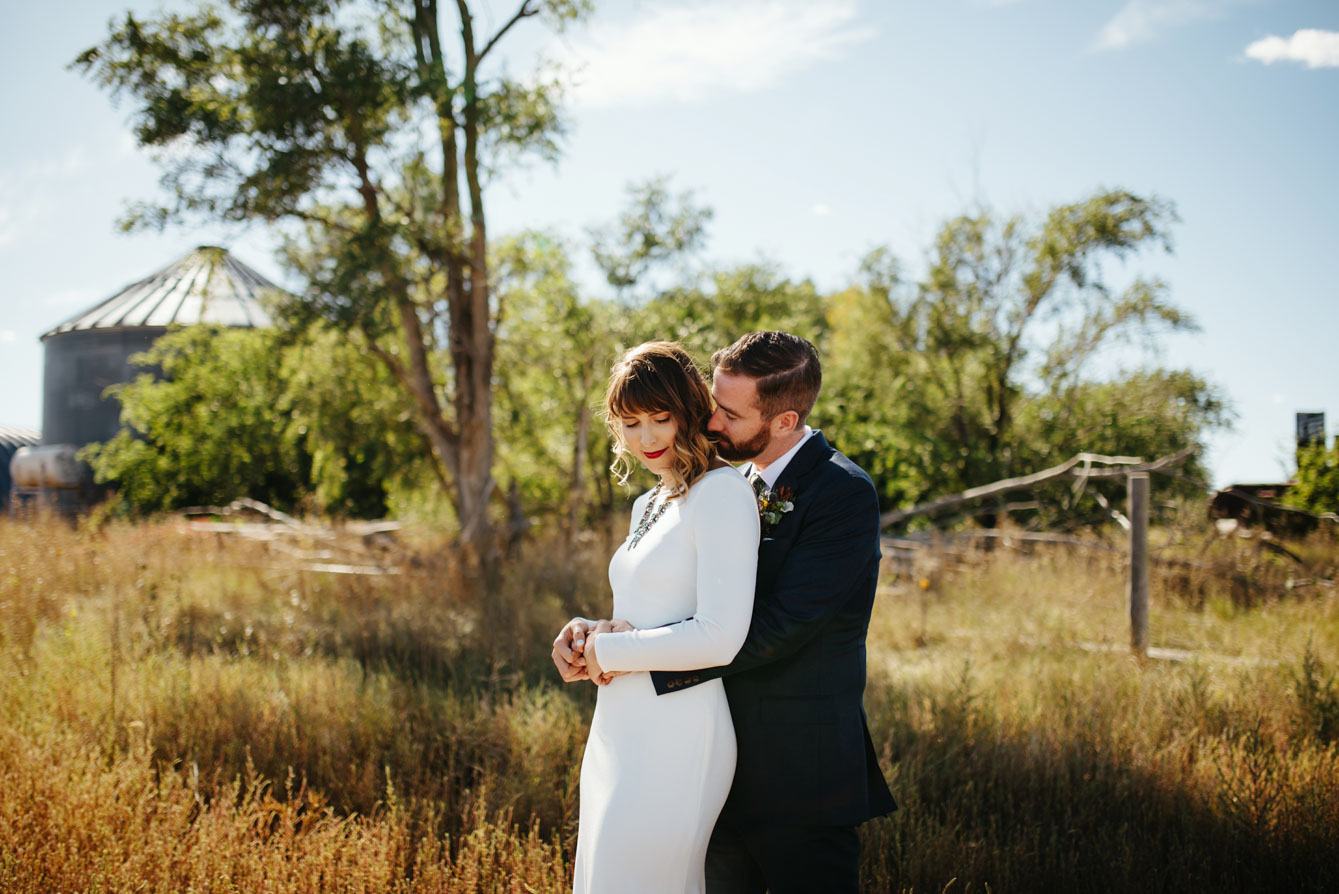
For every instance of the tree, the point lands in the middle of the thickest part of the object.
(556, 346)
(205, 432)
(654, 229)
(1149, 413)
(867, 373)
(294, 422)
(555, 349)
(732, 302)
(347, 412)
(315, 115)
(1316, 484)
(1007, 312)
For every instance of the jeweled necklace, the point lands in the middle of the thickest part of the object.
(647, 518)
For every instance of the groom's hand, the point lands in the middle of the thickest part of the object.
(567, 649)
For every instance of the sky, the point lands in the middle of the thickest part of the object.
(818, 130)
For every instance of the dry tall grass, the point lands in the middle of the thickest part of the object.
(185, 712)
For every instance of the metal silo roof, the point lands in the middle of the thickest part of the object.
(206, 286)
(14, 437)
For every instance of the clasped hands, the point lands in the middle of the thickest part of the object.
(574, 652)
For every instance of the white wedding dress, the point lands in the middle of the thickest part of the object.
(657, 768)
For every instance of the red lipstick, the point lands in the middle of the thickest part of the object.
(657, 454)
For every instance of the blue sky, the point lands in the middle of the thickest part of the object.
(818, 129)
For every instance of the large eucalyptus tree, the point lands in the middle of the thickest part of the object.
(365, 132)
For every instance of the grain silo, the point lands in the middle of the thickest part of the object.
(92, 350)
(11, 439)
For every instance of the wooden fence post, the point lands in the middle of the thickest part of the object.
(1138, 509)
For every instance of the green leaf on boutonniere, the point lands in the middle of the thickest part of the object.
(773, 505)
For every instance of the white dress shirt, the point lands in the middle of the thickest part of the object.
(770, 474)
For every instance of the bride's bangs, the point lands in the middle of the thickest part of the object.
(633, 393)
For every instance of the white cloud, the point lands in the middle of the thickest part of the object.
(1139, 21)
(687, 51)
(1311, 46)
(7, 335)
(822, 210)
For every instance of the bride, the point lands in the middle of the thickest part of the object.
(657, 770)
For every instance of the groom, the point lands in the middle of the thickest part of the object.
(807, 773)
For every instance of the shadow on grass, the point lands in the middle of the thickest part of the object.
(1036, 811)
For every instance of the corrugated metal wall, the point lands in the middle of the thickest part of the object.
(80, 365)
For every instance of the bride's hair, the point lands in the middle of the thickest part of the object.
(660, 377)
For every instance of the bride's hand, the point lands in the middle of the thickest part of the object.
(567, 649)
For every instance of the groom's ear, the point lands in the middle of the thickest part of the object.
(785, 423)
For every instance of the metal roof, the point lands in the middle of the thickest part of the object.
(12, 436)
(206, 286)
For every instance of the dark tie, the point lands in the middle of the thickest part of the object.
(759, 486)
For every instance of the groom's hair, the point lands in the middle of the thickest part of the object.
(785, 367)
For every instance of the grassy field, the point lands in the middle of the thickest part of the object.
(182, 711)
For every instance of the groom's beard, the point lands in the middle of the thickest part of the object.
(743, 450)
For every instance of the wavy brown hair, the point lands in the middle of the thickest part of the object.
(660, 377)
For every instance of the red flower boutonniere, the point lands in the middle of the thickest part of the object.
(772, 505)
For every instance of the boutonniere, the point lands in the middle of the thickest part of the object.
(772, 505)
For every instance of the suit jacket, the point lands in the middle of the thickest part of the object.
(797, 684)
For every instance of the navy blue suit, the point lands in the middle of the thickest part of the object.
(796, 686)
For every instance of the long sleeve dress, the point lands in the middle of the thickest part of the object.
(657, 770)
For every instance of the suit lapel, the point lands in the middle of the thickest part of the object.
(802, 467)
(815, 451)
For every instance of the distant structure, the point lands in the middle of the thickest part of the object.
(91, 351)
(11, 440)
(1310, 429)
(1260, 504)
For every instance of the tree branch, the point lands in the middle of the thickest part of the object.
(523, 13)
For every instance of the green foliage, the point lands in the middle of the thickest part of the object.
(345, 411)
(733, 301)
(555, 349)
(1145, 413)
(207, 432)
(867, 382)
(1316, 484)
(980, 371)
(254, 413)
